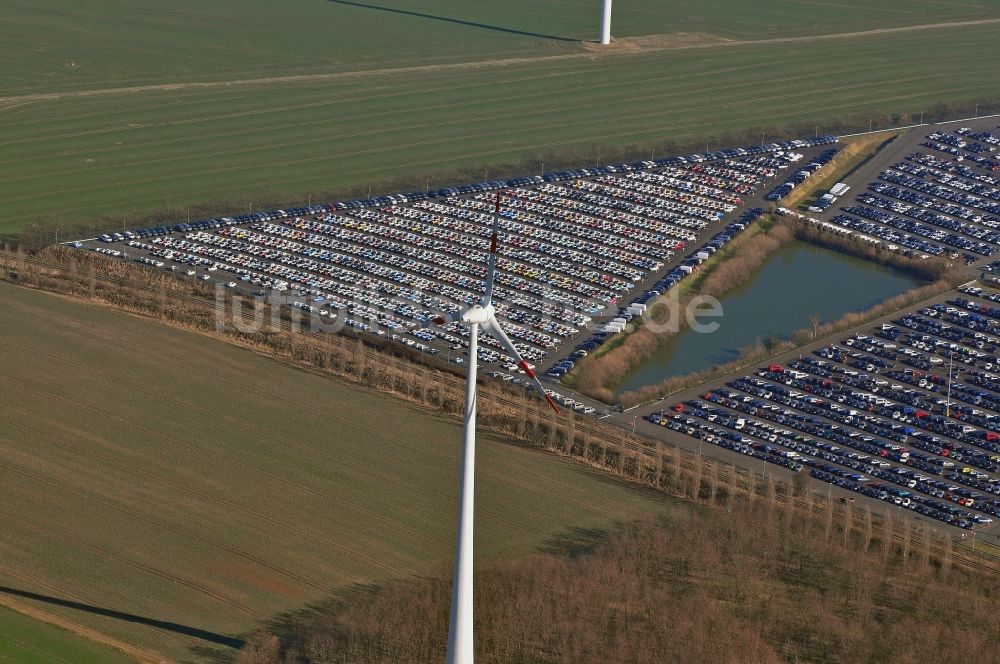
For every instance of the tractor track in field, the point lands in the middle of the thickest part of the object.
(109, 459)
(507, 115)
(29, 609)
(235, 422)
(142, 656)
(467, 138)
(507, 99)
(628, 46)
(279, 436)
(80, 544)
(357, 554)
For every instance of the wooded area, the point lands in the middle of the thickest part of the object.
(748, 581)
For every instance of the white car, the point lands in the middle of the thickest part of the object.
(231, 284)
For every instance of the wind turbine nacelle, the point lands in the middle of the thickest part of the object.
(477, 314)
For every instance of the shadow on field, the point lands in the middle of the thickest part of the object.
(212, 637)
(458, 21)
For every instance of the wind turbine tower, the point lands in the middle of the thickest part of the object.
(481, 315)
(605, 22)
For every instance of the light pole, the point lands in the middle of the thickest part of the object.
(947, 406)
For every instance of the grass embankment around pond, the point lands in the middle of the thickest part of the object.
(598, 376)
(745, 248)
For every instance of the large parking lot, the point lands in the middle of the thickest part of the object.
(576, 245)
(907, 411)
(936, 193)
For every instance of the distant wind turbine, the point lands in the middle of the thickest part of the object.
(605, 22)
(460, 637)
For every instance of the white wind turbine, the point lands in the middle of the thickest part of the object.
(460, 638)
(605, 22)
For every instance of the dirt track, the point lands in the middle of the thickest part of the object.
(143, 656)
(628, 46)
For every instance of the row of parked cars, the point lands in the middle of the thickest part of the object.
(208, 224)
(908, 413)
(561, 399)
(571, 248)
(801, 175)
(941, 200)
(463, 189)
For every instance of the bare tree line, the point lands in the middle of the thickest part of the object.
(396, 370)
(755, 581)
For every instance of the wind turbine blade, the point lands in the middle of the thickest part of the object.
(491, 264)
(493, 327)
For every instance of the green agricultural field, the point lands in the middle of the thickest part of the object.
(177, 491)
(50, 45)
(259, 102)
(24, 640)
